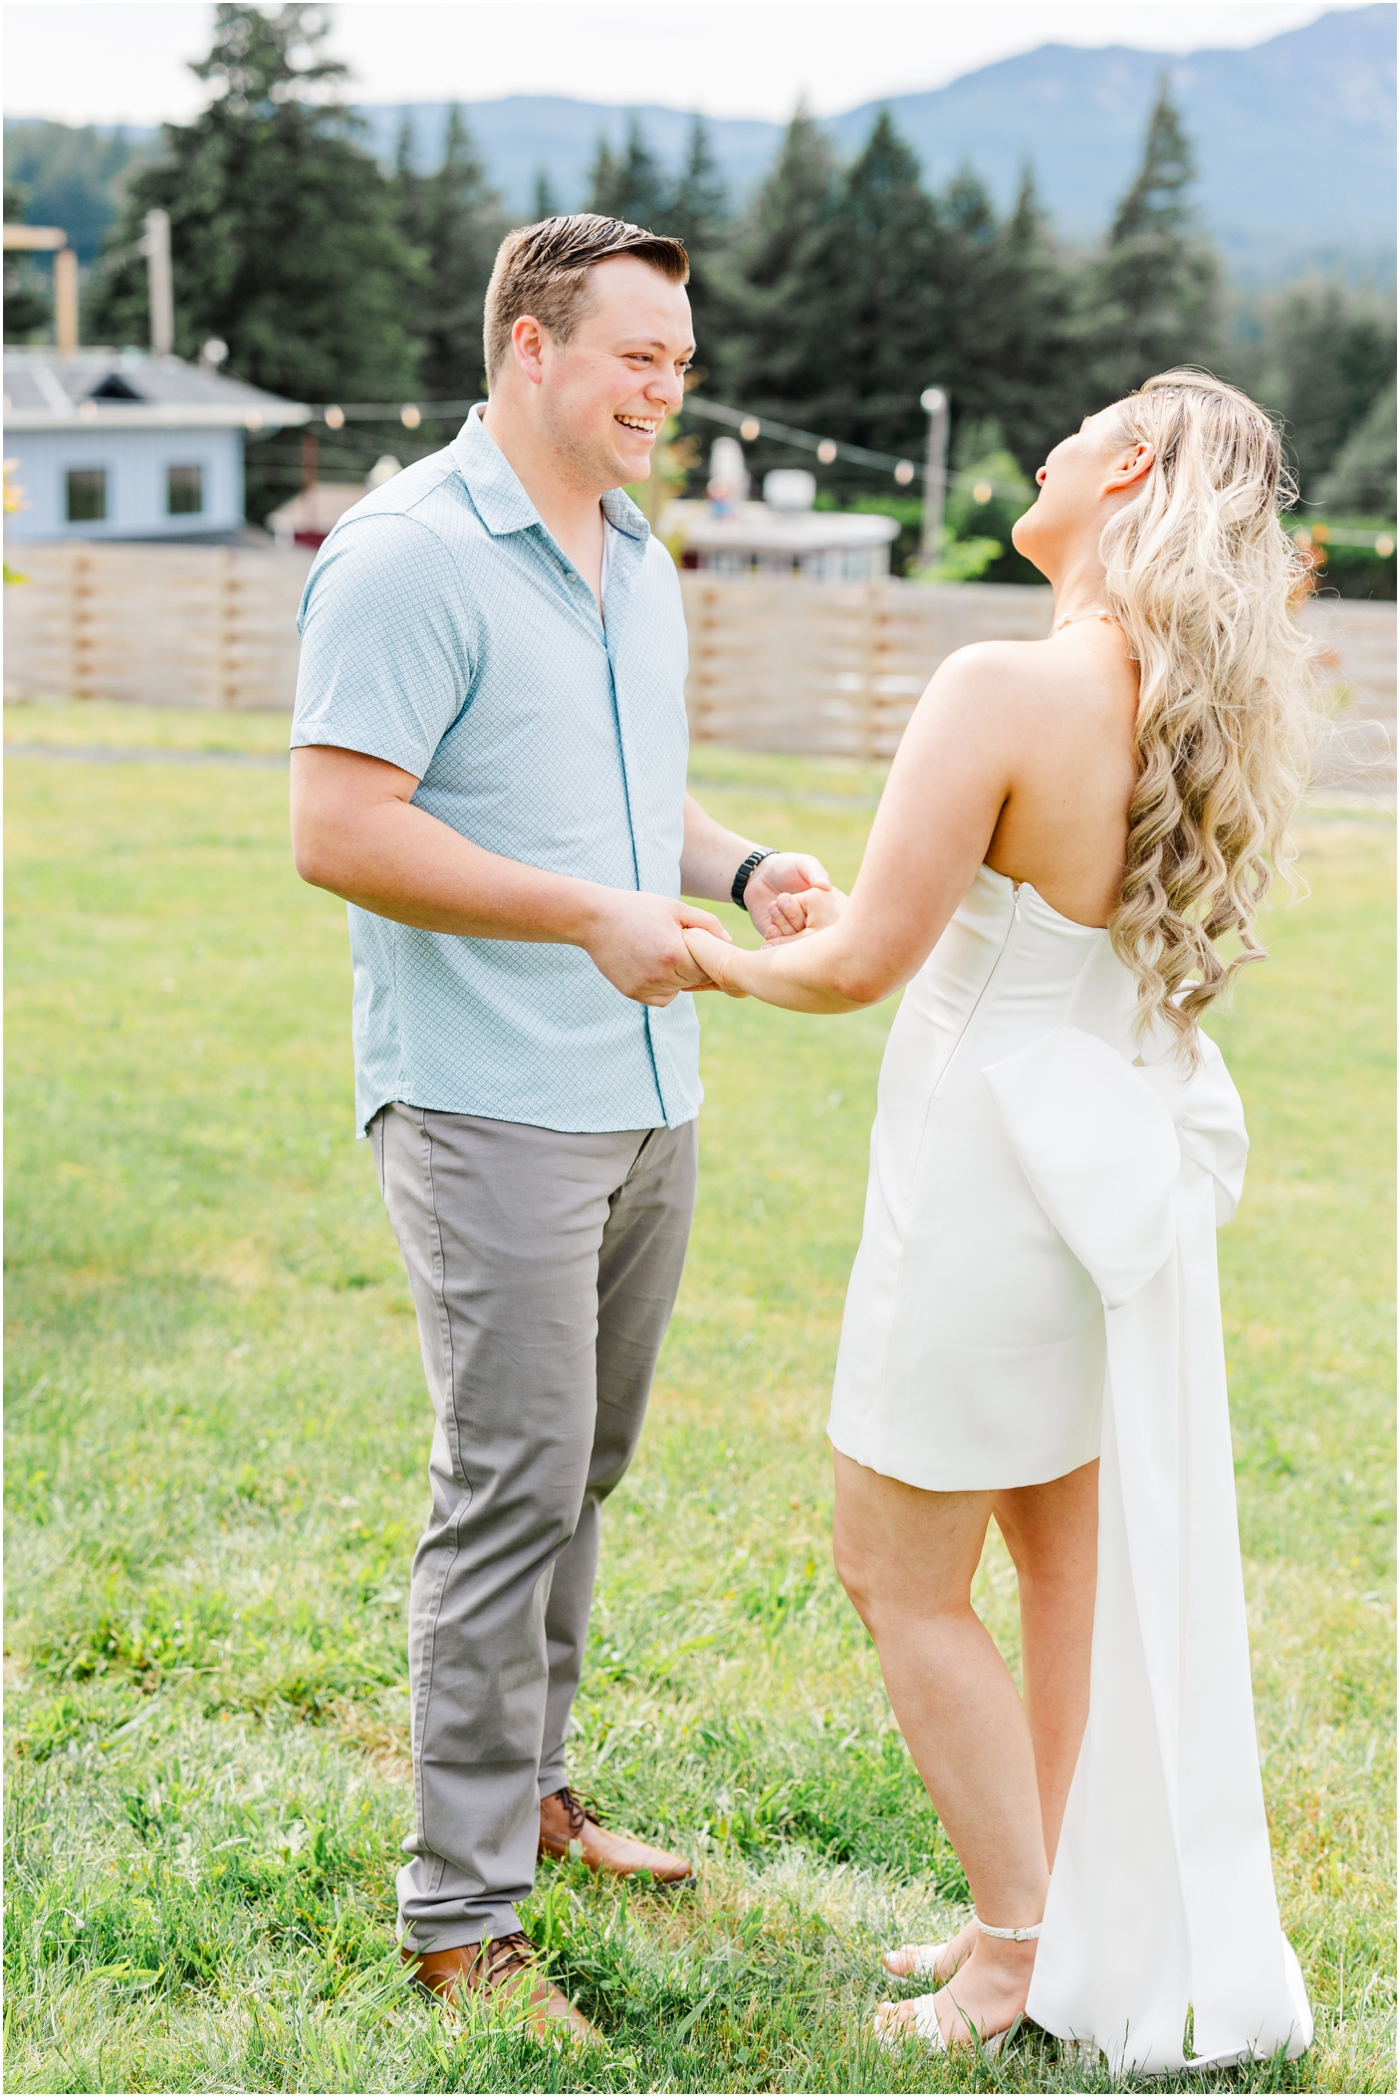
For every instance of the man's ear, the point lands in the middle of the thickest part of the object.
(527, 346)
(1131, 465)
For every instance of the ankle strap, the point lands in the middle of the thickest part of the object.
(1011, 1936)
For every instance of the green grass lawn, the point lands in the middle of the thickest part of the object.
(217, 1445)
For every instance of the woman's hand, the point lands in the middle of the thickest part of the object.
(716, 957)
(812, 911)
(781, 873)
(777, 972)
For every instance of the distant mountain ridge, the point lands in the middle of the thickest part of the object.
(1294, 138)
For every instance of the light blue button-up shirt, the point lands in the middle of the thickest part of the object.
(444, 631)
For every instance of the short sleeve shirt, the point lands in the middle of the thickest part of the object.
(445, 632)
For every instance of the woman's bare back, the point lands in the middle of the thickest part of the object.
(1064, 824)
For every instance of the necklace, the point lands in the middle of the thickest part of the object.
(1074, 618)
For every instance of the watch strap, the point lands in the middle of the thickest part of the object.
(741, 879)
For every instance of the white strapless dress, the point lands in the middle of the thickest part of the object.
(1035, 1287)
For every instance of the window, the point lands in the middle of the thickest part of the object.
(87, 494)
(184, 491)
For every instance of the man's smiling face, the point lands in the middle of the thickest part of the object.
(610, 387)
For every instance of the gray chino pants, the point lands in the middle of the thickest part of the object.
(543, 1269)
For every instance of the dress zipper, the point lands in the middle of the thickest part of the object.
(976, 1005)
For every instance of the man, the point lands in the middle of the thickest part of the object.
(488, 763)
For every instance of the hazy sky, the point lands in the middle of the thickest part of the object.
(103, 61)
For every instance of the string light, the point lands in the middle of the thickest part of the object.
(1382, 544)
(828, 451)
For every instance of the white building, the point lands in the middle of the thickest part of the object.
(124, 444)
(782, 535)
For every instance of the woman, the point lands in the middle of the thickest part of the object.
(1032, 1333)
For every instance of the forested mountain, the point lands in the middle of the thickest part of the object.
(1294, 139)
(829, 297)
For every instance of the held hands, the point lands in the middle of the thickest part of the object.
(738, 971)
(651, 947)
(791, 874)
(811, 911)
(638, 941)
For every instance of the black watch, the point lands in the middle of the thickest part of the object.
(741, 879)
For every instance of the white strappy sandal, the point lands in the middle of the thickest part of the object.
(924, 2021)
(924, 1965)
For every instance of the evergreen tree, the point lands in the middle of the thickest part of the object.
(868, 294)
(547, 204)
(1362, 481)
(283, 233)
(72, 175)
(699, 206)
(763, 280)
(455, 221)
(696, 214)
(1017, 360)
(1153, 298)
(1326, 356)
(28, 292)
(629, 185)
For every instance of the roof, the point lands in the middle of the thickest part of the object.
(317, 508)
(755, 528)
(133, 389)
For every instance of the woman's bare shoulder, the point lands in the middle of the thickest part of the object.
(993, 660)
(1009, 677)
(1019, 676)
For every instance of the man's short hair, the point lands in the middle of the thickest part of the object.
(543, 270)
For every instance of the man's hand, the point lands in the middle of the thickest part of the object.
(356, 832)
(781, 873)
(639, 945)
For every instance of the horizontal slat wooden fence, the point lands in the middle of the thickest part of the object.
(832, 669)
(775, 664)
(198, 626)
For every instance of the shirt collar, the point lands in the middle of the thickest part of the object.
(502, 503)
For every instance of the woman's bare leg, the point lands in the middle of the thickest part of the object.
(907, 1559)
(1051, 1532)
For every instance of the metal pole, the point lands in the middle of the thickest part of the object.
(65, 301)
(156, 246)
(934, 401)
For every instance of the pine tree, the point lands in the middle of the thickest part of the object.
(1153, 298)
(28, 297)
(455, 221)
(1326, 356)
(546, 203)
(762, 281)
(631, 185)
(1362, 480)
(699, 205)
(1017, 358)
(872, 298)
(283, 233)
(696, 214)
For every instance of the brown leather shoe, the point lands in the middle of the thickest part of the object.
(564, 1822)
(509, 1976)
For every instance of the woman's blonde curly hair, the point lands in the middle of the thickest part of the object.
(1203, 579)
